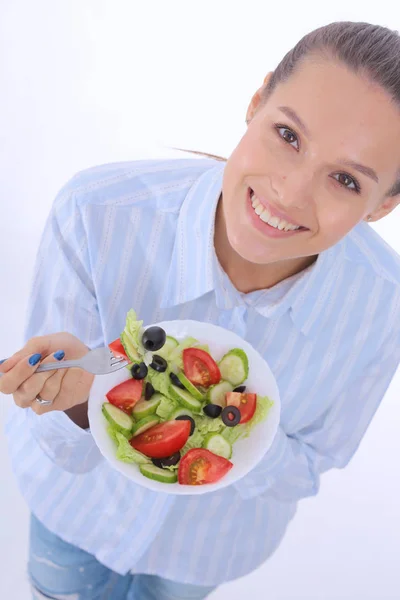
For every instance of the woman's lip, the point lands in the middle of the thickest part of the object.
(274, 212)
(264, 228)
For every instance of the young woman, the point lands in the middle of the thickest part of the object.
(272, 244)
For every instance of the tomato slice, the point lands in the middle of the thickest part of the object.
(200, 466)
(246, 403)
(117, 348)
(125, 395)
(162, 440)
(200, 368)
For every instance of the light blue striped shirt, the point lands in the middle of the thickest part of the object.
(140, 235)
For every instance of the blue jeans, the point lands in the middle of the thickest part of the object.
(61, 571)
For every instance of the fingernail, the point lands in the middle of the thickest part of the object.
(1, 361)
(34, 359)
(59, 355)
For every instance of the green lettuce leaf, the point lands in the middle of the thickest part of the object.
(159, 381)
(166, 407)
(127, 454)
(131, 337)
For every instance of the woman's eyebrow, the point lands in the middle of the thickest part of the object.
(368, 171)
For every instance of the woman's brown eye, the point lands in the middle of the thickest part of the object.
(288, 136)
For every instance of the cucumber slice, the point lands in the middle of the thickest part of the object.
(145, 408)
(170, 344)
(234, 366)
(117, 418)
(215, 443)
(180, 412)
(129, 348)
(216, 393)
(192, 389)
(185, 399)
(157, 474)
(145, 424)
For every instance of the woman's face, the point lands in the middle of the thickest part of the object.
(292, 187)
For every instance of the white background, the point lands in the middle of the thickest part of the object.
(84, 82)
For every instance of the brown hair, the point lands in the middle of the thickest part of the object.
(368, 50)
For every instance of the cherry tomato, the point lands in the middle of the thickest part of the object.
(200, 368)
(162, 440)
(200, 466)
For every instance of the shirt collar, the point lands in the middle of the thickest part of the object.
(194, 269)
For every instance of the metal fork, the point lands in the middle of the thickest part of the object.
(99, 361)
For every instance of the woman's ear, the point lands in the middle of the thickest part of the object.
(256, 99)
(384, 209)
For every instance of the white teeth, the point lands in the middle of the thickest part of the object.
(266, 217)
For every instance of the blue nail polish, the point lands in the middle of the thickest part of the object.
(1, 361)
(34, 359)
(59, 355)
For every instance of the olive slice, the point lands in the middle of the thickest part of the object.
(212, 410)
(176, 381)
(159, 363)
(148, 391)
(139, 370)
(241, 389)
(231, 416)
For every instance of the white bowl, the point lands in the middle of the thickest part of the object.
(247, 452)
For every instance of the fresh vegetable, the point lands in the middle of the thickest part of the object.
(127, 454)
(148, 391)
(162, 440)
(240, 389)
(246, 403)
(231, 416)
(169, 461)
(179, 412)
(118, 350)
(166, 407)
(157, 474)
(170, 344)
(212, 410)
(191, 421)
(217, 444)
(234, 366)
(200, 466)
(176, 354)
(217, 393)
(185, 399)
(145, 424)
(131, 337)
(139, 370)
(232, 434)
(154, 338)
(117, 418)
(200, 368)
(159, 364)
(126, 394)
(159, 381)
(176, 381)
(192, 389)
(144, 408)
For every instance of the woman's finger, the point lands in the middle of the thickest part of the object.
(30, 387)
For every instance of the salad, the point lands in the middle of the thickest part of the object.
(179, 414)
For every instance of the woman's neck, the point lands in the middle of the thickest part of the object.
(246, 276)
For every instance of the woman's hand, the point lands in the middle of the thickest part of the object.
(67, 388)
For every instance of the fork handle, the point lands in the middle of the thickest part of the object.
(66, 364)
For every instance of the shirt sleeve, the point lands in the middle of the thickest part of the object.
(63, 299)
(292, 467)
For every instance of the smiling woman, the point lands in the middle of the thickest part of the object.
(271, 244)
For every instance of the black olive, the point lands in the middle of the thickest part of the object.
(139, 370)
(176, 381)
(187, 418)
(148, 391)
(212, 410)
(159, 363)
(169, 461)
(154, 338)
(231, 416)
(241, 389)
